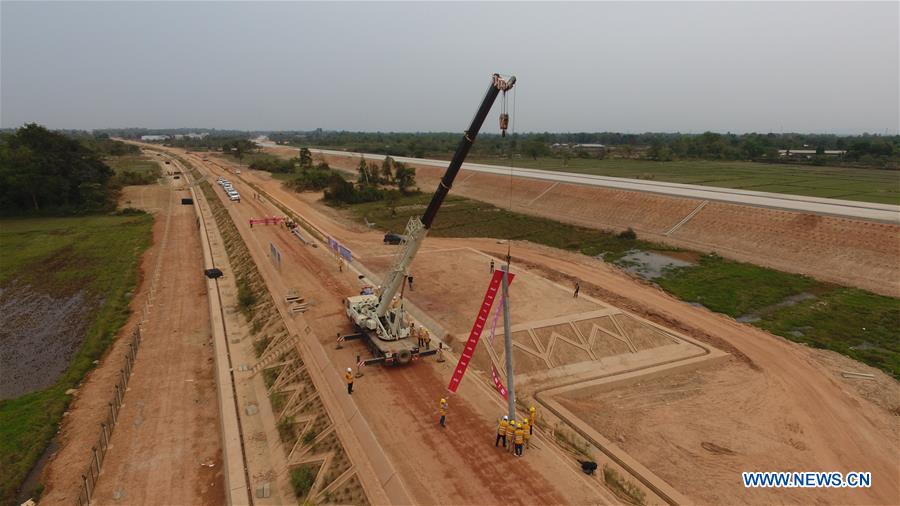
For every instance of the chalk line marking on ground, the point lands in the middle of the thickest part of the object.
(686, 218)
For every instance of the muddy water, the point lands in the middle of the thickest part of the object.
(39, 334)
(650, 265)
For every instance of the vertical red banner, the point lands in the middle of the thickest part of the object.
(466, 356)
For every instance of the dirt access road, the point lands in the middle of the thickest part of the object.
(168, 431)
(819, 419)
(456, 465)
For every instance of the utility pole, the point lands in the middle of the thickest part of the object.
(507, 338)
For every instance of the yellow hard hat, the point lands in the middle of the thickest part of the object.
(443, 400)
(520, 425)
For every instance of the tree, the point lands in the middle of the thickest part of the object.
(305, 158)
(405, 176)
(386, 167)
(363, 170)
(40, 169)
(535, 147)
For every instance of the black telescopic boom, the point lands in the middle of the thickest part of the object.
(464, 146)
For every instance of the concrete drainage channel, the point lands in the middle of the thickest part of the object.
(233, 452)
(340, 419)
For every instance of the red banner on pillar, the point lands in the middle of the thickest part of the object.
(498, 383)
(477, 328)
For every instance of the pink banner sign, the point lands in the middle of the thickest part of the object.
(485, 311)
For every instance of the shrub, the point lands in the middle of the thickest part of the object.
(246, 297)
(628, 234)
(302, 479)
(286, 429)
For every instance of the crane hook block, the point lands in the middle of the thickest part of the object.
(504, 123)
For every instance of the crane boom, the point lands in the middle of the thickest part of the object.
(417, 228)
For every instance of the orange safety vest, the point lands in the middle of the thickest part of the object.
(520, 436)
(502, 429)
(525, 428)
(510, 430)
(349, 377)
(442, 409)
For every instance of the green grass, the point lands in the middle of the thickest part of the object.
(143, 167)
(99, 254)
(733, 288)
(302, 479)
(834, 319)
(461, 217)
(865, 185)
(856, 323)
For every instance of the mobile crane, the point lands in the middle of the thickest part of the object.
(380, 317)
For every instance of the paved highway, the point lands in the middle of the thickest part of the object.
(844, 208)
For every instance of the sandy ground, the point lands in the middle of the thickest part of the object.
(168, 424)
(819, 246)
(777, 404)
(456, 465)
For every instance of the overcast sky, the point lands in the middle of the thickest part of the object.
(689, 67)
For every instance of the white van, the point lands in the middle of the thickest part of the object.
(234, 196)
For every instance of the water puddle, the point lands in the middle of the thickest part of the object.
(650, 265)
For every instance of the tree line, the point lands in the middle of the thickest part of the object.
(47, 172)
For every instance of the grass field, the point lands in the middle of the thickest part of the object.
(865, 185)
(134, 163)
(854, 322)
(99, 254)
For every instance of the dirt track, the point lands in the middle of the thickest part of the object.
(792, 389)
(850, 252)
(453, 465)
(168, 424)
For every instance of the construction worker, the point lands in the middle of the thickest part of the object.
(511, 433)
(419, 339)
(340, 264)
(526, 428)
(426, 337)
(531, 417)
(520, 439)
(501, 431)
(442, 410)
(492, 266)
(349, 377)
(577, 288)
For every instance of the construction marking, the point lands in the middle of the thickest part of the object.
(687, 218)
(532, 201)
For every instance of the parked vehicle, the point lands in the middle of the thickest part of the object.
(390, 238)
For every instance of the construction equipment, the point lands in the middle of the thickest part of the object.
(380, 318)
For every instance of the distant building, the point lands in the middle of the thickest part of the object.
(593, 149)
(154, 137)
(808, 153)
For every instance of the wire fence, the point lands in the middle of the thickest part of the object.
(98, 451)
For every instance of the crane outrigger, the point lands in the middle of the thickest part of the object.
(380, 317)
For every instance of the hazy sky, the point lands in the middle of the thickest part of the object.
(690, 67)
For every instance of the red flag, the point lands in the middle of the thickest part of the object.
(477, 327)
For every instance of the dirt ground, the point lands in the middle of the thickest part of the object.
(168, 429)
(785, 391)
(455, 465)
(819, 246)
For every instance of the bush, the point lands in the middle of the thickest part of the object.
(302, 479)
(286, 429)
(628, 234)
(246, 297)
(622, 487)
(309, 437)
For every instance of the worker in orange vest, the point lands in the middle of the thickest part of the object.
(526, 428)
(501, 431)
(510, 433)
(349, 377)
(442, 410)
(531, 416)
(520, 439)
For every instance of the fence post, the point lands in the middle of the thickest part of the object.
(96, 458)
(105, 440)
(118, 397)
(112, 414)
(87, 492)
(124, 380)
